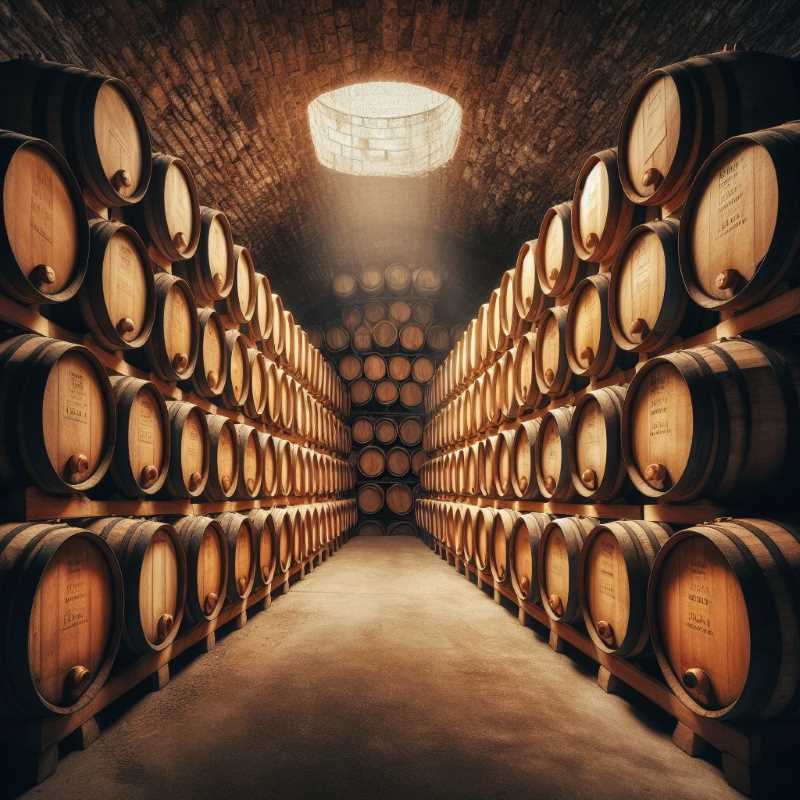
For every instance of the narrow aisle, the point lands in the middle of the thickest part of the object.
(384, 674)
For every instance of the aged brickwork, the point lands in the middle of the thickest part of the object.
(226, 86)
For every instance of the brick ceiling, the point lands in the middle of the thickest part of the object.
(225, 85)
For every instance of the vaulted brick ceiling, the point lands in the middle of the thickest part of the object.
(542, 83)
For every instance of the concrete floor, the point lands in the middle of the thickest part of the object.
(384, 675)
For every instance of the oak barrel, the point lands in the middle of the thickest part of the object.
(62, 614)
(59, 414)
(384, 334)
(237, 381)
(267, 532)
(723, 609)
(251, 462)
(558, 566)
(500, 538)
(153, 566)
(427, 282)
(558, 267)
(370, 497)
(553, 374)
(412, 337)
(400, 311)
(598, 471)
(240, 542)
(386, 430)
(371, 462)
(374, 367)
(239, 305)
(526, 388)
(398, 462)
(256, 400)
(44, 234)
(370, 281)
(189, 451)
(344, 285)
(411, 396)
(410, 431)
(207, 566)
(386, 393)
(363, 431)
(361, 392)
(142, 451)
(399, 368)
(210, 270)
(552, 456)
(350, 367)
(397, 278)
(615, 566)
(523, 554)
(223, 470)
(529, 298)
(399, 498)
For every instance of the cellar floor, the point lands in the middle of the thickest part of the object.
(384, 674)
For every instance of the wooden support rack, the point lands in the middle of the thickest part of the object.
(749, 753)
(38, 740)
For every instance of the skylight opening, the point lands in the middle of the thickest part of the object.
(384, 128)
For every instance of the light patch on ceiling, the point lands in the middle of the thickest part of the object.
(384, 128)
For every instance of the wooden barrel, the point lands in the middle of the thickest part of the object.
(553, 374)
(401, 528)
(261, 322)
(223, 471)
(678, 113)
(558, 268)
(189, 451)
(410, 395)
(373, 312)
(589, 345)
(237, 381)
(384, 334)
(282, 522)
(410, 431)
(361, 392)
(276, 344)
(272, 409)
(500, 538)
(551, 455)
(299, 469)
(422, 312)
(598, 471)
(207, 566)
(647, 302)
(615, 566)
(256, 400)
(468, 531)
(733, 582)
(738, 236)
(269, 472)
(386, 430)
(504, 464)
(210, 371)
(399, 498)
(603, 214)
(344, 285)
(713, 421)
(427, 282)
(283, 459)
(363, 431)
(374, 367)
(168, 217)
(371, 527)
(153, 565)
(397, 278)
(484, 526)
(486, 465)
(251, 462)
(523, 554)
(437, 337)
(558, 566)
(497, 340)
(371, 462)
(288, 402)
(43, 229)
(298, 534)
(370, 498)
(94, 121)
(400, 311)
(361, 339)
(506, 394)
(117, 301)
(142, 452)
(171, 350)
(350, 367)
(51, 663)
(210, 270)
(386, 393)
(526, 388)
(529, 298)
(240, 542)
(59, 412)
(267, 533)
(399, 368)
(510, 322)
(370, 281)
(398, 462)
(337, 338)
(418, 459)
(351, 317)
(422, 369)
(492, 396)
(412, 337)
(240, 304)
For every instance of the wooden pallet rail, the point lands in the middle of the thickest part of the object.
(749, 752)
(31, 504)
(39, 739)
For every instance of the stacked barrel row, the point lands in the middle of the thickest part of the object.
(214, 393)
(149, 580)
(679, 431)
(715, 603)
(387, 343)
